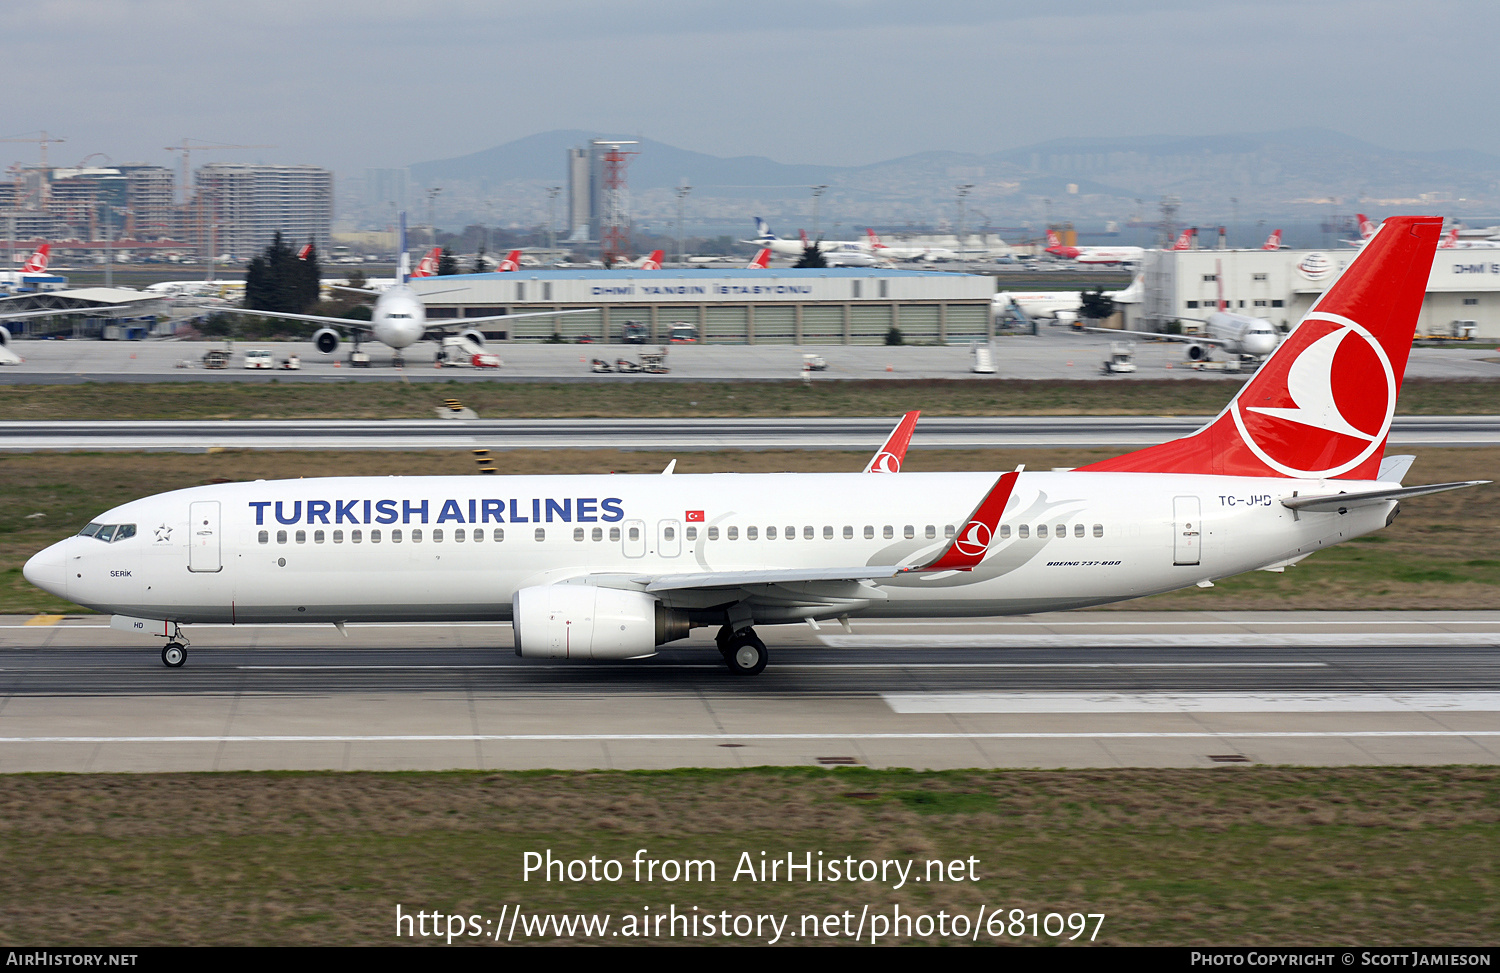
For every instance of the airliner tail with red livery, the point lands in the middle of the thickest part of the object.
(37, 262)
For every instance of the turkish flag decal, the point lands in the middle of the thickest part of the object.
(693, 516)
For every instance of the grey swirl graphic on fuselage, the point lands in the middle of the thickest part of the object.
(1003, 558)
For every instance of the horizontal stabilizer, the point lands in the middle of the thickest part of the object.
(1343, 501)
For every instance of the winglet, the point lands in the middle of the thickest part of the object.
(972, 541)
(888, 458)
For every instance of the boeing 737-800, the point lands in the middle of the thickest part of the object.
(611, 567)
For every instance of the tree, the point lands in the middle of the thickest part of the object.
(277, 280)
(447, 263)
(895, 337)
(480, 264)
(1095, 304)
(812, 258)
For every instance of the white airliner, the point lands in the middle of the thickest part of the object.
(1063, 306)
(1235, 334)
(837, 253)
(1093, 255)
(908, 252)
(611, 567)
(399, 319)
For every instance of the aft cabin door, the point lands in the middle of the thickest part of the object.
(1187, 529)
(203, 537)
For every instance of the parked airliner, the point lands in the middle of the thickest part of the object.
(399, 319)
(611, 567)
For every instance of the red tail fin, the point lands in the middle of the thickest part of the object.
(761, 261)
(512, 262)
(1321, 405)
(888, 458)
(653, 262)
(428, 265)
(1273, 242)
(37, 262)
(875, 243)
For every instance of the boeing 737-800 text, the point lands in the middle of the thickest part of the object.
(610, 567)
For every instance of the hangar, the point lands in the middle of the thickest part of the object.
(1463, 290)
(834, 306)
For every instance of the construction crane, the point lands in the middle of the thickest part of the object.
(41, 141)
(187, 148)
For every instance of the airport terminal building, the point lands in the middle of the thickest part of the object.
(1463, 291)
(834, 306)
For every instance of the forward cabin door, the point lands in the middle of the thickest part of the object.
(1187, 530)
(203, 537)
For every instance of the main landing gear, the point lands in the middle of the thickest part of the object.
(743, 651)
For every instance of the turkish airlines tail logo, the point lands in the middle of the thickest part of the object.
(653, 262)
(1273, 242)
(972, 541)
(1450, 241)
(1053, 240)
(512, 262)
(893, 453)
(1366, 228)
(428, 265)
(37, 262)
(1321, 406)
(760, 261)
(305, 252)
(1185, 240)
(875, 243)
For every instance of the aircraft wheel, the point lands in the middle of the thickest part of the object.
(746, 655)
(173, 655)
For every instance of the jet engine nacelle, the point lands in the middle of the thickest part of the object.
(475, 336)
(1197, 353)
(326, 340)
(583, 621)
(4, 336)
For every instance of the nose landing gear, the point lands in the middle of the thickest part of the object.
(173, 654)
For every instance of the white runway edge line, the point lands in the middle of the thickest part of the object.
(1246, 640)
(1266, 702)
(763, 737)
(584, 665)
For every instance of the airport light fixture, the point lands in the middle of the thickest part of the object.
(817, 191)
(963, 194)
(682, 190)
(432, 194)
(552, 192)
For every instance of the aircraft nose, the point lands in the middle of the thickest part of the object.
(1260, 344)
(48, 570)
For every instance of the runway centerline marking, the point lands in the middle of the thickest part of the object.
(652, 737)
(1190, 702)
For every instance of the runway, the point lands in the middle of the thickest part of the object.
(1056, 353)
(669, 434)
(1082, 689)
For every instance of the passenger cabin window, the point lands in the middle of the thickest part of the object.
(828, 533)
(751, 533)
(375, 535)
(691, 533)
(578, 534)
(770, 533)
(949, 530)
(338, 537)
(416, 535)
(848, 533)
(1041, 530)
(499, 534)
(733, 533)
(355, 536)
(1004, 530)
(541, 534)
(807, 533)
(931, 531)
(614, 533)
(437, 535)
(301, 537)
(281, 537)
(669, 533)
(598, 533)
(869, 532)
(713, 533)
(909, 532)
(1023, 530)
(1098, 530)
(318, 537)
(395, 535)
(1077, 530)
(888, 532)
(458, 535)
(264, 537)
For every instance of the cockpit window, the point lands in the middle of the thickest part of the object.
(108, 532)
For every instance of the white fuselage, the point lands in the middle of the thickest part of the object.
(400, 318)
(405, 548)
(1109, 255)
(1240, 334)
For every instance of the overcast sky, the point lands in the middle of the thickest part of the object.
(355, 83)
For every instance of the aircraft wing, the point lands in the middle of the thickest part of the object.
(444, 324)
(349, 323)
(740, 579)
(1192, 339)
(1335, 502)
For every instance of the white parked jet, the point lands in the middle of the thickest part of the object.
(399, 319)
(611, 567)
(838, 253)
